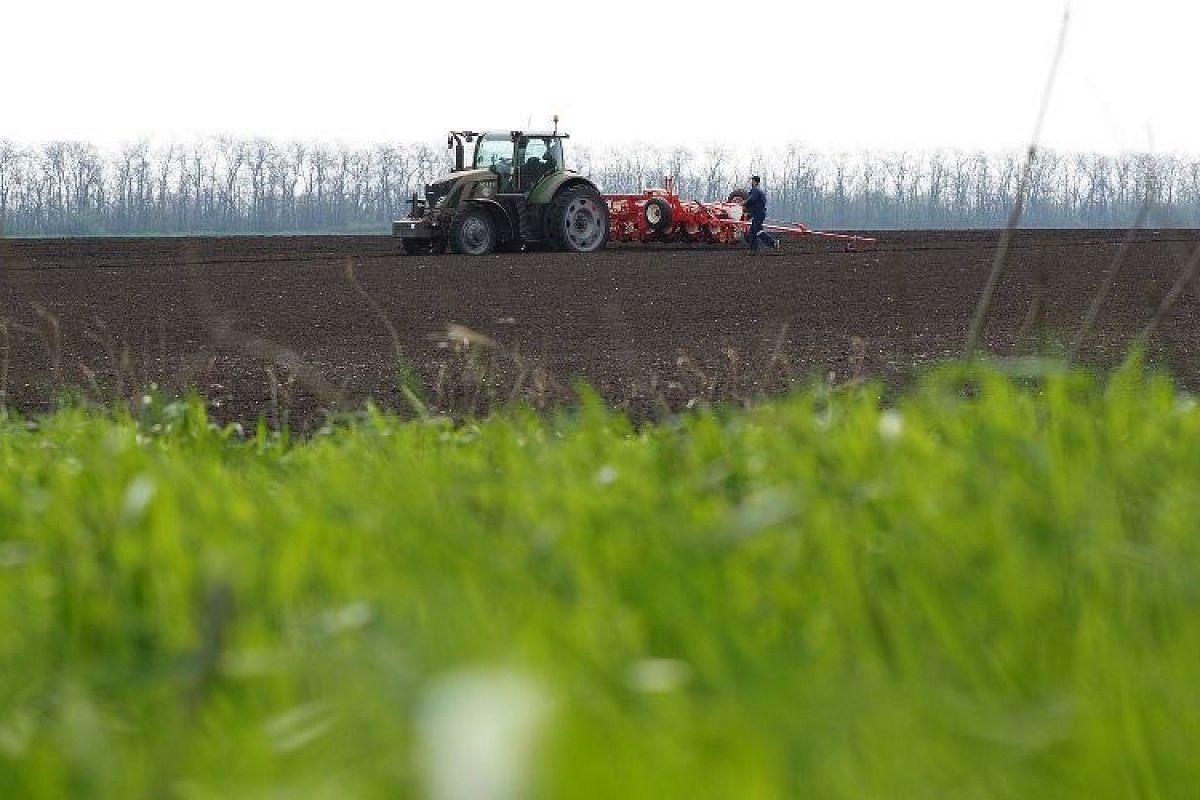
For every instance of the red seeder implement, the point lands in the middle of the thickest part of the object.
(658, 215)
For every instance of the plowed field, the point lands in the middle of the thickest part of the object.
(273, 326)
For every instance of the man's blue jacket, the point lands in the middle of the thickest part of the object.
(756, 202)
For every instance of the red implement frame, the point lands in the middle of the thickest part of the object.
(659, 215)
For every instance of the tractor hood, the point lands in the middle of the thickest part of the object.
(450, 177)
(438, 191)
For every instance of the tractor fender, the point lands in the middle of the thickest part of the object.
(506, 226)
(552, 185)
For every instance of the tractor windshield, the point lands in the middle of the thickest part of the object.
(494, 152)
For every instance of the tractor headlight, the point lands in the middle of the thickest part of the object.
(438, 193)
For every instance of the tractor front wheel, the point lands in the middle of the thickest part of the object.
(577, 220)
(472, 232)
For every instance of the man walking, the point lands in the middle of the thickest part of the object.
(756, 207)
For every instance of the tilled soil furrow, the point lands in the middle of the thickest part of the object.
(266, 325)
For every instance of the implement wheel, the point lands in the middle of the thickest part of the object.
(657, 215)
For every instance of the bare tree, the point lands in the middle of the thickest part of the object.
(229, 184)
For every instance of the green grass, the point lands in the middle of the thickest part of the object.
(989, 590)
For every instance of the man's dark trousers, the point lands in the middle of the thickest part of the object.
(757, 233)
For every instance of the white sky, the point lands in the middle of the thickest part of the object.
(846, 74)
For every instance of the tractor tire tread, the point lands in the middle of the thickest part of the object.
(556, 216)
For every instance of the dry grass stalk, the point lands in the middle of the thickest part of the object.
(1000, 260)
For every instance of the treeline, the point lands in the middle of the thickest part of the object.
(228, 185)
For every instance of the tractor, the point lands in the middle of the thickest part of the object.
(515, 193)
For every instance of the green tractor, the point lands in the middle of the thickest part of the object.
(514, 193)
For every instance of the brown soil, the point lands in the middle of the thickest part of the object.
(266, 326)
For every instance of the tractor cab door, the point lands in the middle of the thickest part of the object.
(537, 157)
(496, 153)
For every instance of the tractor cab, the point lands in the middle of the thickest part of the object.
(519, 159)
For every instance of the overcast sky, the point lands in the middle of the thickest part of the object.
(893, 74)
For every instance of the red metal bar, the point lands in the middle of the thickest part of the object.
(797, 229)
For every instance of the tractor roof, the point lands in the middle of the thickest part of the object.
(530, 134)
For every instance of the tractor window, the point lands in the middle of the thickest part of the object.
(496, 153)
(539, 157)
(553, 155)
(546, 150)
(535, 149)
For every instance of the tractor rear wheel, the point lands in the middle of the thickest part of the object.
(577, 220)
(737, 196)
(472, 232)
(657, 214)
